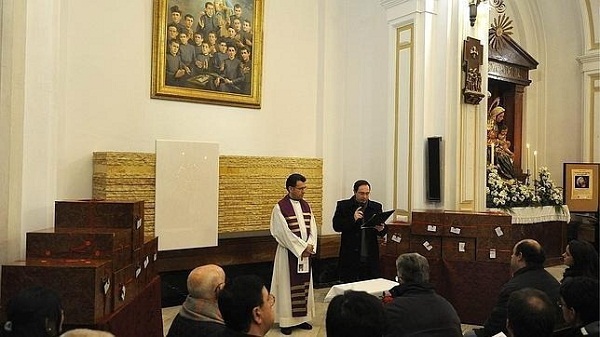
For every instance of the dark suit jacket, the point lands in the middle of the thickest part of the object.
(417, 310)
(527, 277)
(183, 326)
(350, 247)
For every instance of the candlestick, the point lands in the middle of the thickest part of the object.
(492, 155)
(534, 164)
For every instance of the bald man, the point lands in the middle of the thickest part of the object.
(527, 268)
(86, 333)
(199, 314)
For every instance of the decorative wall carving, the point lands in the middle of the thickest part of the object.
(472, 60)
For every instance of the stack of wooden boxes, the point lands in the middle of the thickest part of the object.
(468, 254)
(96, 258)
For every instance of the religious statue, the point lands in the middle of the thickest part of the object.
(498, 146)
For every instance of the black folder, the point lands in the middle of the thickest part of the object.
(377, 219)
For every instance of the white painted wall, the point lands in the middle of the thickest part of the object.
(84, 86)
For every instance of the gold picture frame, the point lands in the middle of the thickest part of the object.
(581, 186)
(210, 78)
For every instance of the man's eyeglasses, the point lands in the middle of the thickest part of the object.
(218, 289)
(271, 299)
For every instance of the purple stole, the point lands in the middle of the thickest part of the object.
(299, 283)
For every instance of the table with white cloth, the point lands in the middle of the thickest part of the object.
(375, 287)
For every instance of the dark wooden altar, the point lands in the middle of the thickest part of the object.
(469, 253)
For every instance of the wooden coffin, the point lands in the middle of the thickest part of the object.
(458, 249)
(125, 287)
(84, 286)
(495, 243)
(150, 257)
(398, 239)
(428, 246)
(81, 243)
(102, 214)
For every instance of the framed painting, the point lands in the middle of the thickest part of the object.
(581, 186)
(208, 51)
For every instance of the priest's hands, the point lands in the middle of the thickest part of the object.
(308, 251)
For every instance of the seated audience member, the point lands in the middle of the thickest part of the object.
(581, 258)
(530, 313)
(33, 312)
(579, 304)
(416, 309)
(247, 307)
(355, 313)
(86, 333)
(199, 314)
(527, 267)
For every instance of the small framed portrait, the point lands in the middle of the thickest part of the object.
(581, 188)
(208, 51)
(582, 181)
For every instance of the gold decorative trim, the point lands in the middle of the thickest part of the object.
(593, 80)
(593, 43)
(400, 46)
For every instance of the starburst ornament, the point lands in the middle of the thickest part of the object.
(501, 29)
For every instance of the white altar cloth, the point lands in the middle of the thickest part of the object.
(530, 215)
(374, 287)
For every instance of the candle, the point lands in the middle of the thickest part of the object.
(527, 160)
(534, 164)
(492, 155)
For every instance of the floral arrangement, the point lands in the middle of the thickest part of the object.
(546, 192)
(505, 194)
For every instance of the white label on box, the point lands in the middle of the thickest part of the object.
(492, 253)
(499, 231)
(461, 247)
(155, 256)
(138, 224)
(138, 271)
(427, 245)
(396, 238)
(106, 286)
(431, 228)
(123, 291)
(455, 230)
(146, 262)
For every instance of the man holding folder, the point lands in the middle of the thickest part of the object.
(360, 222)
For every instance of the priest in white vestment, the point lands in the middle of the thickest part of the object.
(294, 227)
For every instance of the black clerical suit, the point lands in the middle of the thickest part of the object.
(353, 264)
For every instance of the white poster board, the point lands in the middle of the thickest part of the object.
(187, 194)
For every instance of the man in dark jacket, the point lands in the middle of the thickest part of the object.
(579, 304)
(530, 313)
(359, 249)
(527, 266)
(199, 314)
(416, 309)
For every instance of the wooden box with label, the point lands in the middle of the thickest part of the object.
(81, 243)
(102, 214)
(84, 286)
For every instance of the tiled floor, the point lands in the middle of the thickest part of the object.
(321, 308)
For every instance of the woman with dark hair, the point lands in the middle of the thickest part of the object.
(581, 258)
(33, 312)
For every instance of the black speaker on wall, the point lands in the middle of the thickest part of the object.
(434, 174)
